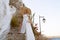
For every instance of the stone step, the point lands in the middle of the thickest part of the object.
(13, 35)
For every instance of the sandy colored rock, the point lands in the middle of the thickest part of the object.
(13, 35)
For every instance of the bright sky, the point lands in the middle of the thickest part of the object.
(51, 10)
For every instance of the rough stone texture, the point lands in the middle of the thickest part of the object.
(40, 37)
(13, 35)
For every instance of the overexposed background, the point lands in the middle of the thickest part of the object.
(51, 10)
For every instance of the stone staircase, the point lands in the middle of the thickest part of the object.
(13, 35)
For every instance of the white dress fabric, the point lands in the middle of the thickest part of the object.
(26, 28)
(23, 29)
(5, 18)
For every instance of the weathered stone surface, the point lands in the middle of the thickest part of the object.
(13, 35)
